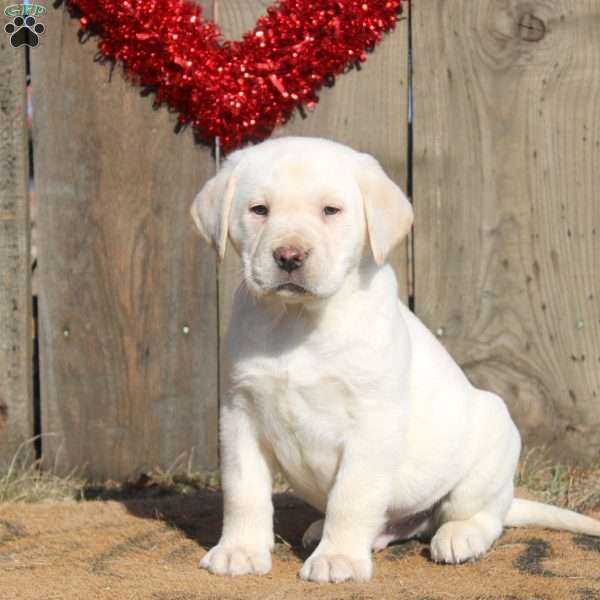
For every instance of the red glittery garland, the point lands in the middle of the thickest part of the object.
(237, 91)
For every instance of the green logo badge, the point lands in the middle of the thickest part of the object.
(24, 29)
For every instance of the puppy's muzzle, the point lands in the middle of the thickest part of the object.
(290, 258)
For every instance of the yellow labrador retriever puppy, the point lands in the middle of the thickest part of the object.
(337, 384)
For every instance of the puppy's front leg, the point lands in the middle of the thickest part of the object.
(355, 515)
(247, 538)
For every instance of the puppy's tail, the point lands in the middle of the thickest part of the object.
(526, 513)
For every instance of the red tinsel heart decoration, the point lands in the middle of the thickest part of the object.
(237, 91)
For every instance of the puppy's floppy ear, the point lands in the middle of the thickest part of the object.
(212, 206)
(388, 212)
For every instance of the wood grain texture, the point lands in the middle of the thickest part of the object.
(365, 109)
(16, 408)
(128, 319)
(506, 179)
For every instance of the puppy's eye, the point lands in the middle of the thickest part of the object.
(260, 209)
(331, 210)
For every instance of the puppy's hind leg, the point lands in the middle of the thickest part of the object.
(471, 517)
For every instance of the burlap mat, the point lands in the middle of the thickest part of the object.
(149, 549)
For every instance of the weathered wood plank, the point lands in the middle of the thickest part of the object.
(366, 110)
(128, 318)
(16, 407)
(506, 179)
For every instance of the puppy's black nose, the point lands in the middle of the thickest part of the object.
(289, 258)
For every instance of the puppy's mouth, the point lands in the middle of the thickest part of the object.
(289, 291)
(292, 288)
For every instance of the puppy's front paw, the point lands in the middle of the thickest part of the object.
(335, 568)
(236, 560)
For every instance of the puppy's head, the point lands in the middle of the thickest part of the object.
(300, 212)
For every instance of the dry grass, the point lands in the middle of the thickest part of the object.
(26, 481)
(577, 488)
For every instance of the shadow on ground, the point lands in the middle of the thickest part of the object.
(199, 517)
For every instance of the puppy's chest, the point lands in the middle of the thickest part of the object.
(298, 396)
(303, 410)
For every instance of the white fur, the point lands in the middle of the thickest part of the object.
(341, 387)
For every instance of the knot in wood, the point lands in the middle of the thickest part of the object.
(531, 29)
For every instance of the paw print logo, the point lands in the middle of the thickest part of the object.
(24, 31)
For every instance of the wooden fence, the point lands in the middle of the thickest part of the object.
(503, 265)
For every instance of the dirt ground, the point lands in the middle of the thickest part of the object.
(149, 549)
